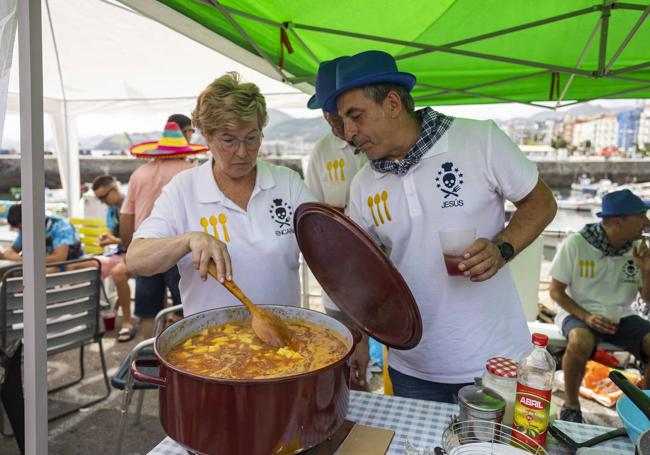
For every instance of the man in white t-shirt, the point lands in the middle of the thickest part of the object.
(332, 165)
(596, 275)
(430, 172)
(334, 161)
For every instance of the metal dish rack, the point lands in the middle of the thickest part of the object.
(478, 437)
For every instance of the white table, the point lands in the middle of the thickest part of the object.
(422, 423)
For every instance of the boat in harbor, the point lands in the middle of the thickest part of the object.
(585, 185)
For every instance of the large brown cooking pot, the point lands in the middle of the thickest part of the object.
(249, 417)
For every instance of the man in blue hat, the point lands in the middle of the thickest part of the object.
(429, 172)
(596, 275)
(332, 165)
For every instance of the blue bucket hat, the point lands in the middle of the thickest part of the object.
(325, 83)
(370, 67)
(621, 203)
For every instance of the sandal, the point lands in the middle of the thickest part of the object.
(125, 334)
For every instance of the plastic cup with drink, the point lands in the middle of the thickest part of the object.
(454, 242)
(108, 317)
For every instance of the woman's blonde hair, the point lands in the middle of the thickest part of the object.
(228, 104)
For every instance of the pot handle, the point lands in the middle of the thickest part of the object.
(143, 377)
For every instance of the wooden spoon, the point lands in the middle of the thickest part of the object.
(267, 326)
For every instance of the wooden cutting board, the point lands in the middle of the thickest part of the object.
(355, 439)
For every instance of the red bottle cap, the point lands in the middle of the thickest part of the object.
(539, 339)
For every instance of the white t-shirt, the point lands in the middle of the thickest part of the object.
(461, 182)
(595, 281)
(260, 240)
(332, 166)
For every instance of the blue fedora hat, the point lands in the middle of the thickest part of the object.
(370, 67)
(325, 83)
(621, 203)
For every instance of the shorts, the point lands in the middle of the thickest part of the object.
(151, 292)
(629, 336)
(108, 262)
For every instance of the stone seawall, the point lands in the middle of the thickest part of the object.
(557, 174)
(90, 167)
(560, 174)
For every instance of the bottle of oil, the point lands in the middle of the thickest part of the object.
(533, 400)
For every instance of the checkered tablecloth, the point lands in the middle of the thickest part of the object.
(423, 422)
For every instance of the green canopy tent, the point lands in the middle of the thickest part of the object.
(462, 51)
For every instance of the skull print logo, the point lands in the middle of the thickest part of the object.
(630, 271)
(449, 180)
(281, 213)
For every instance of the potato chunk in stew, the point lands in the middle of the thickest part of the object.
(232, 351)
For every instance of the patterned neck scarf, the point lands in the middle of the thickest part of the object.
(434, 125)
(595, 235)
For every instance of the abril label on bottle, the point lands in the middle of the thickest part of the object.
(531, 412)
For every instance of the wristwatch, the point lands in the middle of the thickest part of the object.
(506, 249)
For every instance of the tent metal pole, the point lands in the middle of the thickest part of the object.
(514, 61)
(583, 54)
(465, 92)
(633, 80)
(509, 30)
(247, 37)
(444, 92)
(491, 83)
(611, 95)
(302, 43)
(627, 39)
(604, 30)
(32, 180)
(629, 69)
(630, 6)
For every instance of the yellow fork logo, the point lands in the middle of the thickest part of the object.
(337, 166)
(587, 268)
(376, 203)
(215, 222)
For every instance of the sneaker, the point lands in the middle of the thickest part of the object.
(571, 414)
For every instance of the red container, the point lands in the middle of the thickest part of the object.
(289, 415)
(264, 416)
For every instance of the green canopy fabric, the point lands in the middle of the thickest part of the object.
(462, 51)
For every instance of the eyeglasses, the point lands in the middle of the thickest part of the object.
(189, 130)
(103, 197)
(251, 142)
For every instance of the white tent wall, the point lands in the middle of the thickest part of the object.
(64, 126)
(102, 57)
(8, 21)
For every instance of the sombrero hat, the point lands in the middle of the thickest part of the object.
(172, 144)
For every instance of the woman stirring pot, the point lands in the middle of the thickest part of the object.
(235, 210)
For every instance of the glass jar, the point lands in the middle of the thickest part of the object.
(501, 375)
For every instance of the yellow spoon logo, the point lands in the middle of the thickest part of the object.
(378, 205)
(214, 222)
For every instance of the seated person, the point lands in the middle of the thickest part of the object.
(62, 242)
(106, 190)
(596, 275)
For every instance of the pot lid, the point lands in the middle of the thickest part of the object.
(481, 398)
(357, 276)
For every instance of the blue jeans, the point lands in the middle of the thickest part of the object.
(410, 387)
